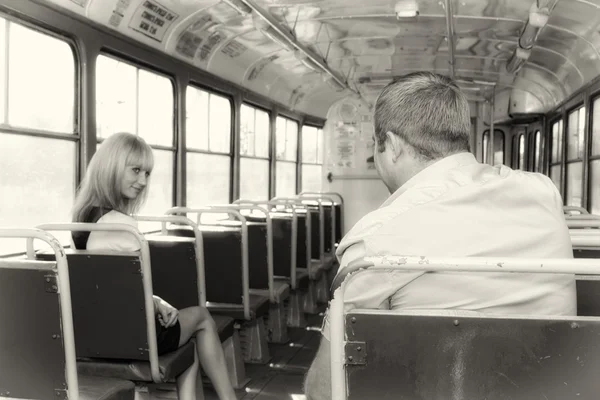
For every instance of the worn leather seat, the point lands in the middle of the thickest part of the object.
(102, 388)
(170, 366)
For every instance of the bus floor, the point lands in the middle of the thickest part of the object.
(282, 378)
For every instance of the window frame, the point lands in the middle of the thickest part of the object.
(485, 140)
(270, 146)
(76, 135)
(301, 162)
(565, 152)
(276, 160)
(232, 129)
(175, 139)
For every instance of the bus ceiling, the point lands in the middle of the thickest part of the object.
(307, 55)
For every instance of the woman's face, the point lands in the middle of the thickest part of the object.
(134, 181)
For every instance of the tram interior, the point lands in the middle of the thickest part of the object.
(311, 68)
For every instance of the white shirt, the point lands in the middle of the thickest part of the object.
(114, 240)
(458, 207)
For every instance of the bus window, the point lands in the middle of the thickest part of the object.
(537, 151)
(286, 157)
(556, 154)
(208, 146)
(132, 99)
(594, 174)
(498, 146)
(521, 152)
(312, 158)
(574, 171)
(254, 152)
(37, 173)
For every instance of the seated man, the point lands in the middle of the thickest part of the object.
(446, 204)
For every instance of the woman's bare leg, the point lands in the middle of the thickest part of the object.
(197, 320)
(189, 384)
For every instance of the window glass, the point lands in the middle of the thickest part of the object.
(521, 152)
(208, 119)
(575, 133)
(285, 179)
(555, 176)
(131, 99)
(280, 138)
(320, 146)
(196, 110)
(574, 184)
(254, 179)
(311, 177)
(291, 147)
(3, 25)
(485, 144)
(595, 186)
(220, 124)
(160, 185)
(247, 131)
(498, 146)
(37, 182)
(309, 145)
(286, 139)
(156, 108)
(116, 97)
(596, 127)
(208, 177)
(557, 141)
(537, 152)
(261, 134)
(41, 81)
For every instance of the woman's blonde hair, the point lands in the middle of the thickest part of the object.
(101, 186)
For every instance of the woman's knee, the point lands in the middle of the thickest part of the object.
(202, 318)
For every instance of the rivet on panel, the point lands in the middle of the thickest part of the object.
(456, 323)
(353, 320)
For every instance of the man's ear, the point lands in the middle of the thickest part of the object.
(397, 145)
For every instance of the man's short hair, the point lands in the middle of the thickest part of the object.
(428, 111)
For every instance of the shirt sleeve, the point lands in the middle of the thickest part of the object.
(114, 240)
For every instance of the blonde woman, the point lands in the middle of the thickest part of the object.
(114, 188)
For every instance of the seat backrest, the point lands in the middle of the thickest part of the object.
(315, 234)
(588, 287)
(435, 357)
(222, 262)
(302, 247)
(32, 358)
(107, 294)
(174, 270)
(258, 267)
(338, 223)
(282, 248)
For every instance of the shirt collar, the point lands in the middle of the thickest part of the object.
(434, 171)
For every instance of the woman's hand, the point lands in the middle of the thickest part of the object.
(167, 314)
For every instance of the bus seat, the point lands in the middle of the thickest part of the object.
(174, 270)
(259, 307)
(109, 317)
(222, 262)
(31, 339)
(588, 287)
(101, 284)
(170, 366)
(225, 287)
(99, 388)
(440, 356)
